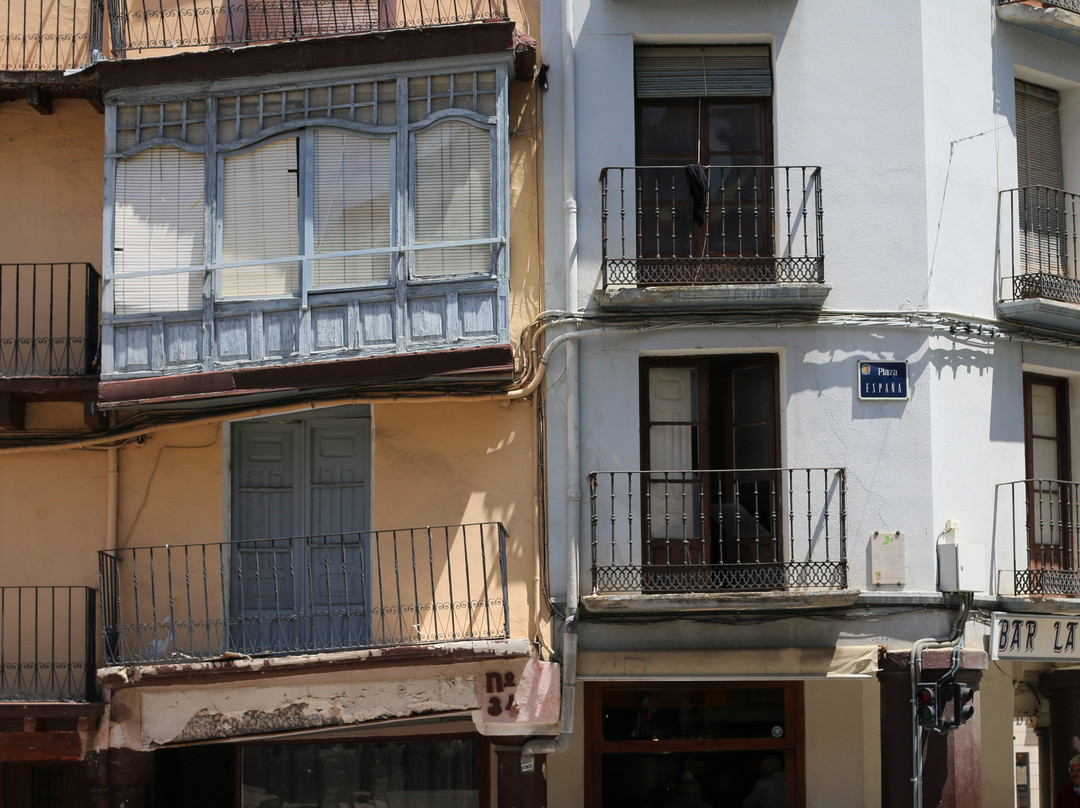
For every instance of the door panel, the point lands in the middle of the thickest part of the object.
(339, 463)
(1051, 526)
(711, 486)
(305, 483)
(264, 591)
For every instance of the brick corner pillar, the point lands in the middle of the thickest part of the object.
(129, 773)
(518, 789)
(1062, 689)
(952, 763)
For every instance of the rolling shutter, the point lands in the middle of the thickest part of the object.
(1038, 136)
(695, 72)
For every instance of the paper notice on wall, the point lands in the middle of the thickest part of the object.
(887, 558)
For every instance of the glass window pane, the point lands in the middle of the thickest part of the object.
(260, 220)
(680, 713)
(159, 225)
(668, 128)
(452, 187)
(352, 207)
(437, 773)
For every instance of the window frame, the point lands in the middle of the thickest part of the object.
(490, 84)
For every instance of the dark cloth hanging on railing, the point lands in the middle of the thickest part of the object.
(698, 181)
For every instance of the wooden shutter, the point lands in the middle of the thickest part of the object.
(260, 220)
(159, 225)
(452, 198)
(352, 207)
(696, 72)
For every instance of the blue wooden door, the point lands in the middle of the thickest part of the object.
(299, 509)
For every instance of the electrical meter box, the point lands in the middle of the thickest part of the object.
(961, 568)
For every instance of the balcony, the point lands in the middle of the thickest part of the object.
(735, 236)
(50, 36)
(1042, 524)
(48, 320)
(138, 26)
(57, 37)
(304, 595)
(718, 531)
(1038, 257)
(47, 644)
(1059, 19)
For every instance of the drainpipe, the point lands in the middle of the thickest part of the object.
(112, 495)
(956, 643)
(573, 462)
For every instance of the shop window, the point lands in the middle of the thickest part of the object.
(686, 745)
(444, 773)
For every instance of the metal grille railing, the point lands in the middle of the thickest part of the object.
(305, 594)
(1043, 519)
(1068, 5)
(48, 320)
(152, 24)
(706, 530)
(50, 36)
(48, 641)
(733, 224)
(1039, 245)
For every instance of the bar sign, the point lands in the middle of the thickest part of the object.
(883, 380)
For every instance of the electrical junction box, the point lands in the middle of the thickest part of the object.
(961, 568)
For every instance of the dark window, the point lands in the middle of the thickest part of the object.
(688, 746)
(711, 453)
(1051, 523)
(709, 106)
(417, 772)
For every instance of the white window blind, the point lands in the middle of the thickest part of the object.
(260, 221)
(352, 208)
(452, 191)
(159, 225)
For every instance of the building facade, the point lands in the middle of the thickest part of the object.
(809, 405)
(270, 519)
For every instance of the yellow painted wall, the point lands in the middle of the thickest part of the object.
(53, 522)
(841, 725)
(50, 210)
(996, 726)
(457, 463)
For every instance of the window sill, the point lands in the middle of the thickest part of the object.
(1046, 19)
(1042, 312)
(635, 604)
(808, 297)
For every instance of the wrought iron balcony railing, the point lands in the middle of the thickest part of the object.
(1039, 244)
(151, 24)
(1042, 522)
(674, 226)
(708, 530)
(48, 320)
(48, 641)
(50, 36)
(305, 594)
(40, 36)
